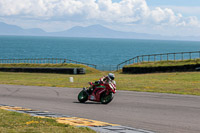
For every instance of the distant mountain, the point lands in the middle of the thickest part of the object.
(6, 29)
(93, 31)
(99, 31)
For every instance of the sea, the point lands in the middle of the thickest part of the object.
(103, 52)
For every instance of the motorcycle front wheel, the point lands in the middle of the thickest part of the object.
(105, 99)
(82, 97)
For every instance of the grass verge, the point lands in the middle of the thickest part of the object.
(63, 65)
(13, 122)
(166, 63)
(177, 83)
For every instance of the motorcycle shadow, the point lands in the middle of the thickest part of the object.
(87, 102)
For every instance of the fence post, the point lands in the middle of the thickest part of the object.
(199, 54)
(142, 58)
(174, 56)
(182, 56)
(161, 57)
(167, 57)
(190, 55)
(148, 58)
(154, 58)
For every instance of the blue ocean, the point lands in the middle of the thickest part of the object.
(99, 51)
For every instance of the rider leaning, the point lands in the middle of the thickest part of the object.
(109, 78)
(104, 80)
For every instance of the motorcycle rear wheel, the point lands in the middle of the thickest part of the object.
(82, 97)
(105, 99)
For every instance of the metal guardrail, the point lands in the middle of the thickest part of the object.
(137, 59)
(43, 61)
(161, 57)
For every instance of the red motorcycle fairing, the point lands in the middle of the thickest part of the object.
(96, 94)
(99, 92)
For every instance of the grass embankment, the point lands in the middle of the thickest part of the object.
(166, 63)
(64, 65)
(178, 83)
(13, 122)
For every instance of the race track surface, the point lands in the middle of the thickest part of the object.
(162, 113)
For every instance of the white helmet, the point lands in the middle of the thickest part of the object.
(111, 76)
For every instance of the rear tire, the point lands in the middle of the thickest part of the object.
(105, 99)
(82, 97)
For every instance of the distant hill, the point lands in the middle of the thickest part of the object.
(6, 29)
(99, 31)
(93, 31)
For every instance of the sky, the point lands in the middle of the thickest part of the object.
(164, 17)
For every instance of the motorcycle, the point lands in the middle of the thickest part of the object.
(103, 93)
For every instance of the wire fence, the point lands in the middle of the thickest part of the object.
(106, 67)
(43, 61)
(161, 57)
(137, 59)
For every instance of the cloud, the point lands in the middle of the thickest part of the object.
(187, 10)
(96, 11)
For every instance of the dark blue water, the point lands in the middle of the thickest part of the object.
(88, 50)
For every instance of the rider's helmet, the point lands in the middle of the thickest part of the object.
(111, 76)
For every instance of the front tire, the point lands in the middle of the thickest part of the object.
(82, 97)
(105, 99)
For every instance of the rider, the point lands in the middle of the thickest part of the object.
(107, 79)
(104, 80)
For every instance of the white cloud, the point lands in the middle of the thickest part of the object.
(135, 12)
(186, 10)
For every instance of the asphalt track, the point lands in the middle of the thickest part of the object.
(162, 113)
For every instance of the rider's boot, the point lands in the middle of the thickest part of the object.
(90, 89)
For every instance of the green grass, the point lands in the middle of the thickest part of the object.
(166, 63)
(178, 83)
(13, 122)
(64, 65)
